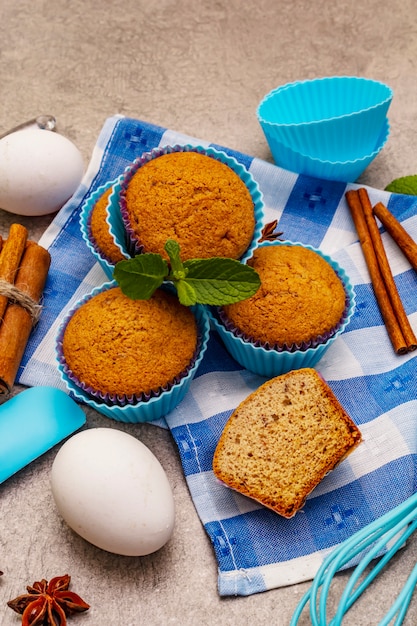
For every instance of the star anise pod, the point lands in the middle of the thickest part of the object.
(268, 232)
(48, 604)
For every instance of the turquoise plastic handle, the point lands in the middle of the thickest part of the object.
(32, 422)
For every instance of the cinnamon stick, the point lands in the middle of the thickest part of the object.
(355, 201)
(18, 321)
(384, 266)
(397, 232)
(10, 257)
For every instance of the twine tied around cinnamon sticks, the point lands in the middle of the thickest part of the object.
(24, 267)
(389, 301)
(17, 296)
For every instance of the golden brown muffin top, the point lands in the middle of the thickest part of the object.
(300, 298)
(192, 198)
(121, 346)
(99, 229)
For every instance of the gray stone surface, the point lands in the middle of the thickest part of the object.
(200, 67)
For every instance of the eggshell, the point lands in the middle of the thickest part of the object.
(39, 171)
(112, 490)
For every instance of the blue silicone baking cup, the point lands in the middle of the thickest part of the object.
(335, 118)
(85, 217)
(312, 101)
(157, 405)
(270, 362)
(344, 171)
(115, 220)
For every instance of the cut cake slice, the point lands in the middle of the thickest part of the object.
(283, 439)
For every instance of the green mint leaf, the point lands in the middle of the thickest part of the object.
(217, 281)
(406, 185)
(213, 281)
(139, 277)
(186, 293)
(172, 248)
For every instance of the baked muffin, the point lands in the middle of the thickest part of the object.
(99, 230)
(282, 440)
(116, 348)
(191, 197)
(304, 303)
(301, 298)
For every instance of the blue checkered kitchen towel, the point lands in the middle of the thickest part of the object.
(255, 548)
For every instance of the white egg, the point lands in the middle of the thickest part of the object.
(39, 171)
(112, 490)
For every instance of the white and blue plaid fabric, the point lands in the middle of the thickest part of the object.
(255, 548)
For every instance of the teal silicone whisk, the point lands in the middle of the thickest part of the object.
(385, 536)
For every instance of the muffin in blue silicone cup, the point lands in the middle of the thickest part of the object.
(201, 197)
(95, 229)
(131, 360)
(304, 303)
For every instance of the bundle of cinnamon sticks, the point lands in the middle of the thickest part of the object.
(389, 301)
(24, 268)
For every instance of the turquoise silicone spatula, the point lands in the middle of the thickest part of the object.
(32, 422)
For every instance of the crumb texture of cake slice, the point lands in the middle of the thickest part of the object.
(282, 440)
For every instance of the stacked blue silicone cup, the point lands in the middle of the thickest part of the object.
(327, 127)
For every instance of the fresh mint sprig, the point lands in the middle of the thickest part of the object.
(405, 184)
(214, 281)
